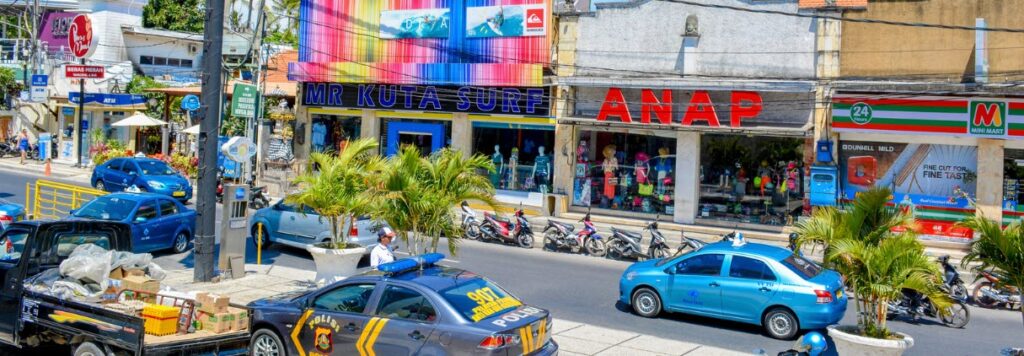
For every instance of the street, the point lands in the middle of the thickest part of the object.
(584, 289)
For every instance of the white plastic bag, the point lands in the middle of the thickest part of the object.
(88, 263)
(155, 272)
(131, 260)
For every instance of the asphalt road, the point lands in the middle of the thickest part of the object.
(584, 289)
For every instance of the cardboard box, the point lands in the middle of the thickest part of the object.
(121, 272)
(211, 303)
(216, 323)
(241, 319)
(141, 284)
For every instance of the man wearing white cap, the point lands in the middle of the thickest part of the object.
(383, 253)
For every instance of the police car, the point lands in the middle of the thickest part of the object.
(410, 306)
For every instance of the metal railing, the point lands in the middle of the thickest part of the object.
(54, 200)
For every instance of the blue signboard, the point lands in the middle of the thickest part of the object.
(85, 126)
(228, 167)
(67, 111)
(44, 146)
(108, 99)
(40, 80)
(190, 102)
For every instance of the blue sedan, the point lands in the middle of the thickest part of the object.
(158, 222)
(147, 174)
(407, 307)
(745, 282)
(10, 213)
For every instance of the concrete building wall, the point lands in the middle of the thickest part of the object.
(873, 50)
(107, 18)
(138, 45)
(647, 36)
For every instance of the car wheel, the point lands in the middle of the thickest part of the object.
(89, 349)
(99, 185)
(781, 324)
(180, 242)
(266, 343)
(646, 303)
(259, 231)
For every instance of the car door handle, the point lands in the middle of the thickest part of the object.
(713, 284)
(416, 335)
(351, 327)
(764, 289)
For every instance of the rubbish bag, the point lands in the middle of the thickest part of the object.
(88, 263)
(131, 260)
(155, 272)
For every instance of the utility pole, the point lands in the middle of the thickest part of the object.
(209, 114)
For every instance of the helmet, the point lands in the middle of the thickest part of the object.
(943, 259)
(813, 343)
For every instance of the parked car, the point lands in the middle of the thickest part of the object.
(745, 282)
(285, 224)
(10, 213)
(157, 222)
(147, 174)
(407, 307)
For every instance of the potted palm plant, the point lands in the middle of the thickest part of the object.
(417, 194)
(337, 190)
(876, 250)
(1000, 249)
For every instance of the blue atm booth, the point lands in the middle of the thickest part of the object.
(824, 185)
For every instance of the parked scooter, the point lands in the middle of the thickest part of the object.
(626, 244)
(257, 198)
(951, 280)
(915, 305)
(470, 226)
(505, 230)
(992, 292)
(559, 236)
(688, 243)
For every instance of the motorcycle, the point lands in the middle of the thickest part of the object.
(558, 236)
(470, 227)
(505, 230)
(914, 305)
(257, 199)
(626, 244)
(992, 292)
(688, 242)
(951, 282)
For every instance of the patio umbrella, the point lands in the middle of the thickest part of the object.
(140, 119)
(194, 130)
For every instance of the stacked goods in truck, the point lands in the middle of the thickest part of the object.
(211, 303)
(216, 322)
(160, 319)
(240, 320)
(148, 286)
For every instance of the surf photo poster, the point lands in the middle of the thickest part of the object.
(506, 21)
(419, 23)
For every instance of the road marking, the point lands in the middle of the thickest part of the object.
(297, 329)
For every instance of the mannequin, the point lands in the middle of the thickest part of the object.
(499, 167)
(513, 169)
(792, 178)
(542, 170)
(609, 166)
(663, 165)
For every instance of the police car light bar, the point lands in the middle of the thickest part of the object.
(409, 263)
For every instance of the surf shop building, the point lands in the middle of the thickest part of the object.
(432, 74)
(944, 157)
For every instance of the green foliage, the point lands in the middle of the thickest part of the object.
(140, 83)
(174, 15)
(339, 191)
(285, 11)
(232, 126)
(1000, 249)
(878, 263)
(9, 84)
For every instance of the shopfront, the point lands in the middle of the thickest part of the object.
(945, 158)
(719, 157)
(101, 112)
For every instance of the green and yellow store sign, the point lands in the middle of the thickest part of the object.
(935, 115)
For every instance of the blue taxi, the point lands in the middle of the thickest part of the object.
(408, 307)
(745, 282)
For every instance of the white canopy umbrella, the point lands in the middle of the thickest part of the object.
(140, 119)
(194, 130)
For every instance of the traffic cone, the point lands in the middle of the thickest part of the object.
(46, 170)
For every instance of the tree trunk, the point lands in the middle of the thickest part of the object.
(334, 231)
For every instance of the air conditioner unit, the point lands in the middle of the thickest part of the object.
(193, 48)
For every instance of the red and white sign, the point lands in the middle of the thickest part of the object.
(80, 37)
(80, 71)
(535, 17)
(700, 110)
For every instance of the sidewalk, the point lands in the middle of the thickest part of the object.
(573, 338)
(57, 170)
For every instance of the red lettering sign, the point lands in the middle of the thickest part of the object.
(661, 108)
(700, 108)
(614, 105)
(79, 71)
(740, 109)
(80, 37)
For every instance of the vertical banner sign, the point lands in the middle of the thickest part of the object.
(243, 101)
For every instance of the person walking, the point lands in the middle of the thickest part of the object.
(23, 144)
(383, 253)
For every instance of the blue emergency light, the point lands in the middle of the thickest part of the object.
(409, 263)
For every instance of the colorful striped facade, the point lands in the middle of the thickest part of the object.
(921, 115)
(340, 42)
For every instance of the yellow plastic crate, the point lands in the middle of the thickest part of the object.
(161, 319)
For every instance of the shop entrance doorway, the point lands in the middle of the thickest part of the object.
(428, 137)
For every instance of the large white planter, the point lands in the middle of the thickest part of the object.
(334, 265)
(849, 343)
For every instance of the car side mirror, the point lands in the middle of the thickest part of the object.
(132, 173)
(139, 219)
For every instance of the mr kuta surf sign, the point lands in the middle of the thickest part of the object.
(526, 101)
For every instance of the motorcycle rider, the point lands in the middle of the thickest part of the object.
(383, 253)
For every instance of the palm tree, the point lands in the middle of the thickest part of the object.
(416, 195)
(878, 264)
(1000, 249)
(339, 190)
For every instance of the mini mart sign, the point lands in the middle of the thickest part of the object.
(929, 115)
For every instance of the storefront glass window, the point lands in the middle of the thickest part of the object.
(427, 135)
(751, 179)
(522, 157)
(330, 133)
(1013, 176)
(625, 172)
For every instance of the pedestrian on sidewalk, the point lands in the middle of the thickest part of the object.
(383, 253)
(23, 144)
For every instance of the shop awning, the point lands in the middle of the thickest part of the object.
(194, 130)
(140, 119)
(696, 83)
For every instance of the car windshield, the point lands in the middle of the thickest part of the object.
(479, 299)
(155, 168)
(801, 266)
(106, 208)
